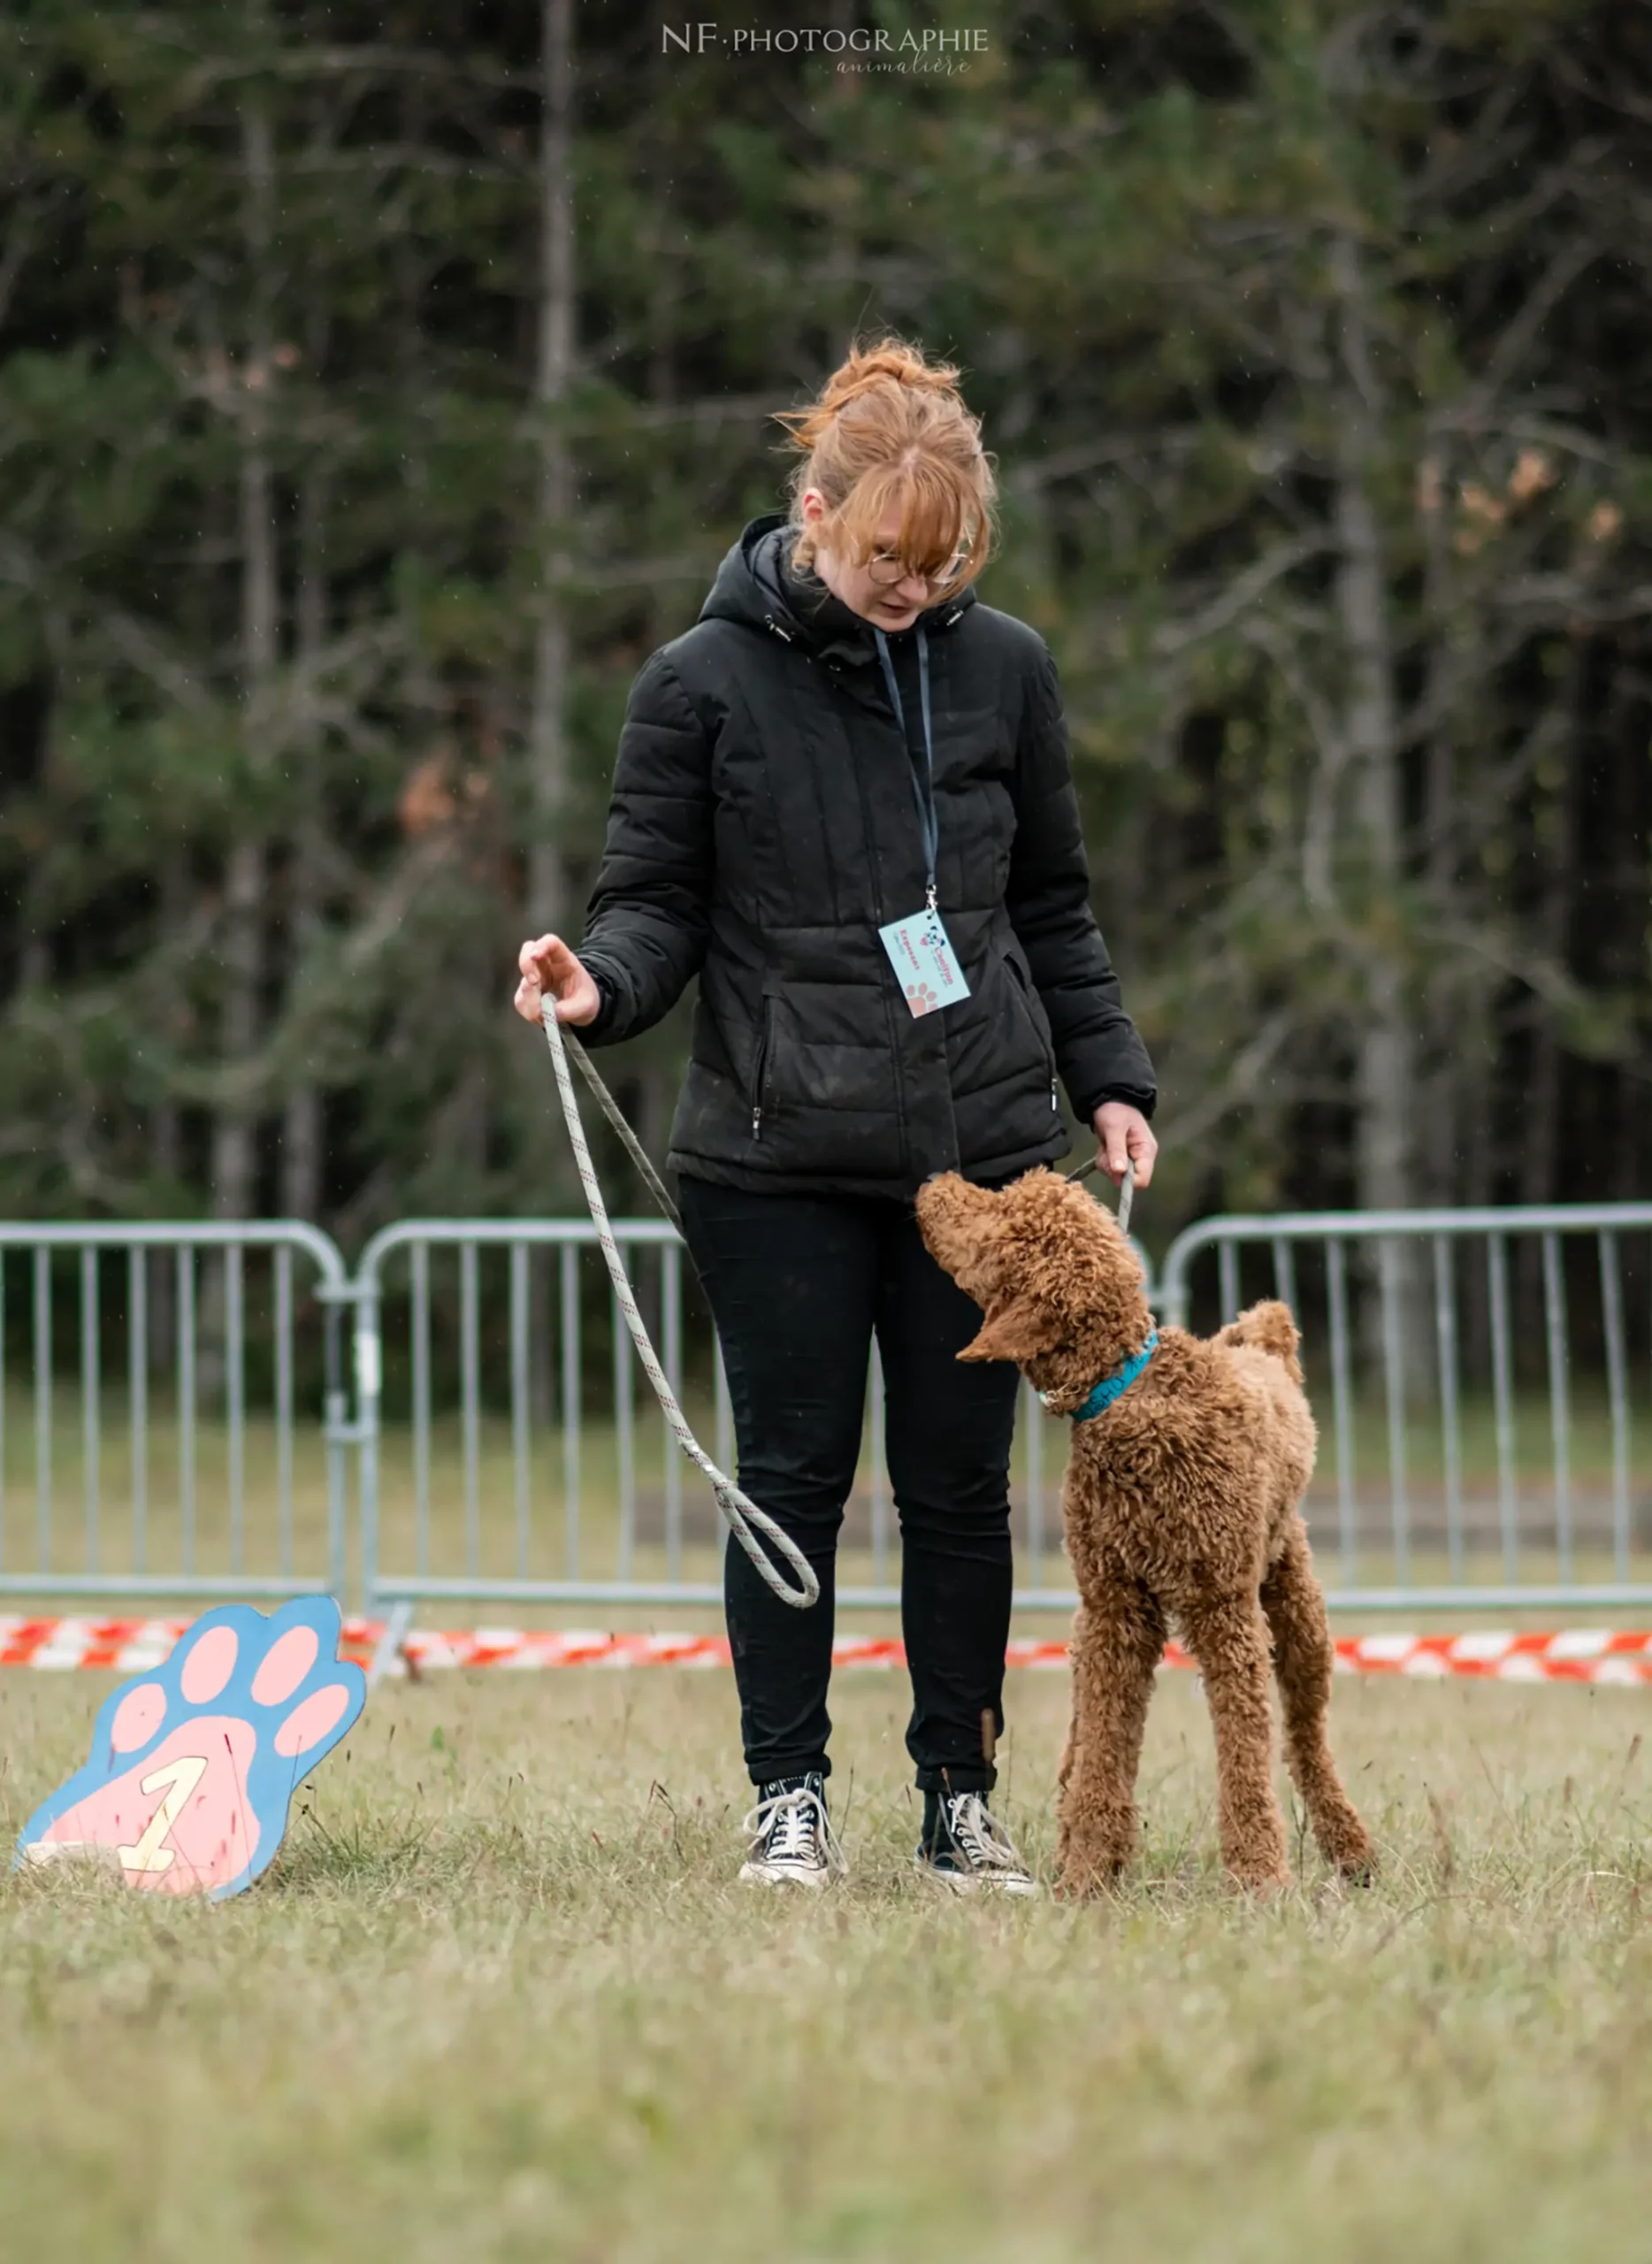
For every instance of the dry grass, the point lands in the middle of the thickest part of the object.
(500, 1998)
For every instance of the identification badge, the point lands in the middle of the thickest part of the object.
(921, 952)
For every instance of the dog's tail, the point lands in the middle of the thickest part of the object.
(1270, 1327)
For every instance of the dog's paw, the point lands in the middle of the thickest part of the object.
(1346, 1845)
(1093, 1886)
(1260, 1881)
(193, 1766)
(1087, 1875)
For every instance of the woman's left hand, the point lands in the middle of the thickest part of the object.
(1124, 1136)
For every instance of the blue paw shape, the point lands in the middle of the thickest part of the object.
(193, 1766)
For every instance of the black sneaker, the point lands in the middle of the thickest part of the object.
(966, 1849)
(791, 1837)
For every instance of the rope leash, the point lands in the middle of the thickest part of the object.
(629, 1141)
(1127, 1187)
(740, 1513)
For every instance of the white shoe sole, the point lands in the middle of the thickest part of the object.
(814, 1877)
(976, 1882)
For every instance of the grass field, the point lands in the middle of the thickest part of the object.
(501, 1999)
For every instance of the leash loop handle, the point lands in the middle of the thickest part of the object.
(739, 1512)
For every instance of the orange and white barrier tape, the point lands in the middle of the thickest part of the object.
(132, 1646)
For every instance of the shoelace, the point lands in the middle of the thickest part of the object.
(972, 1825)
(787, 1825)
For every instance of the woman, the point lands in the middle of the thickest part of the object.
(844, 799)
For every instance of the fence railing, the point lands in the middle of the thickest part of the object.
(199, 1449)
(500, 1423)
(1453, 1336)
(176, 1418)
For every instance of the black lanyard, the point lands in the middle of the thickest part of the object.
(922, 787)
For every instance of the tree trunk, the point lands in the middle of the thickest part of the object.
(1443, 1099)
(235, 1135)
(1555, 820)
(1385, 1076)
(548, 907)
(302, 1128)
(1540, 1169)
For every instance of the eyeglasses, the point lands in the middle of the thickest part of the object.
(885, 570)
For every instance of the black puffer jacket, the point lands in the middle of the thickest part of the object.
(763, 827)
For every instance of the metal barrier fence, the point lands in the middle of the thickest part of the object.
(1474, 1374)
(217, 1489)
(1454, 1335)
(460, 1514)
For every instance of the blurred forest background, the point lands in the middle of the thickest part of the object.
(379, 385)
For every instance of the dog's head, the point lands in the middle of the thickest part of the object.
(1060, 1287)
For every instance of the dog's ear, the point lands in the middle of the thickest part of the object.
(1018, 1329)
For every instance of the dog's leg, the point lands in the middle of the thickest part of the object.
(1069, 1744)
(1229, 1640)
(1303, 1656)
(1118, 1641)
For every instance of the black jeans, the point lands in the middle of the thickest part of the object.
(797, 1284)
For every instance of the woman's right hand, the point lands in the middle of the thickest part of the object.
(548, 965)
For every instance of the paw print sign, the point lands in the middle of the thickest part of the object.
(921, 999)
(194, 1765)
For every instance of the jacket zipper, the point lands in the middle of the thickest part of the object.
(879, 912)
(868, 834)
(759, 1072)
(889, 1015)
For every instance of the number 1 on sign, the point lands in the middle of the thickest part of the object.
(177, 1779)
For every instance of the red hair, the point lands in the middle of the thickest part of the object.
(889, 428)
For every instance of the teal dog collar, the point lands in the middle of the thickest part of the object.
(1114, 1387)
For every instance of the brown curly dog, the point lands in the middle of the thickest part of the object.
(1181, 1506)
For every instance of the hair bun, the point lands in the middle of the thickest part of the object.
(886, 361)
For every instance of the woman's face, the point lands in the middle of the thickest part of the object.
(874, 589)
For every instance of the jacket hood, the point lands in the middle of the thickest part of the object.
(756, 585)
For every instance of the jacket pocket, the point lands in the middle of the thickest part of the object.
(759, 1067)
(1024, 992)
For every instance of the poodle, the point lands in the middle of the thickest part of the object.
(1189, 1459)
